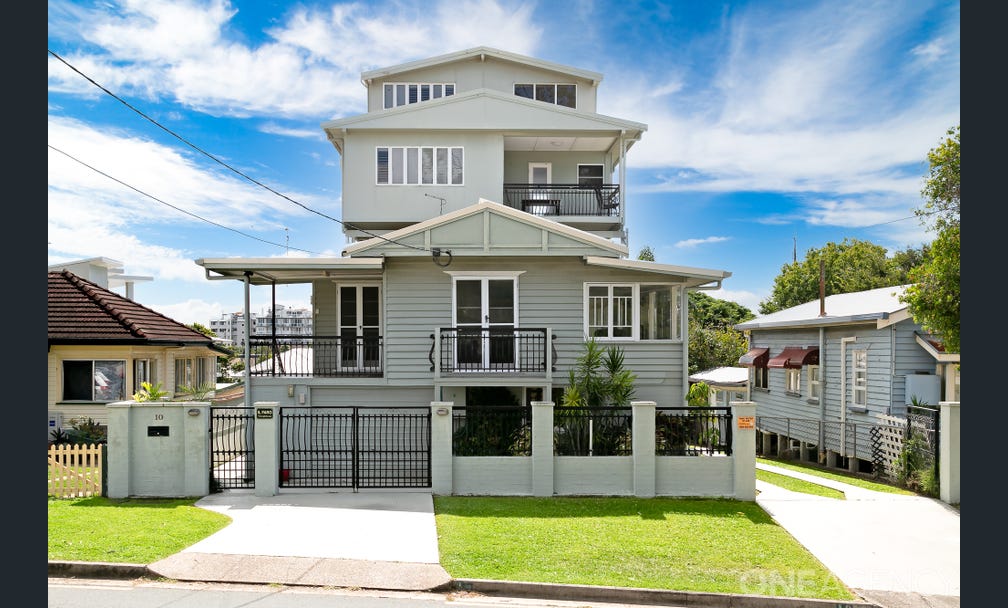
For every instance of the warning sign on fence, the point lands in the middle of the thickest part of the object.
(747, 422)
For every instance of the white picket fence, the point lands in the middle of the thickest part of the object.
(75, 471)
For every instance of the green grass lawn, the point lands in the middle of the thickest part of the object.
(820, 471)
(799, 485)
(708, 545)
(129, 531)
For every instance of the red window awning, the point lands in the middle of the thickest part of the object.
(794, 357)
(756, 357)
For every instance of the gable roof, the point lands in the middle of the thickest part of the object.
(487, 110)
(82, 312)
(419, 238)
(881, 306)
(474, 52)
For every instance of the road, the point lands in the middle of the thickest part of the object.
(95, 593)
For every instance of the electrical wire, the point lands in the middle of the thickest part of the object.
(227, 166)
(99, 171)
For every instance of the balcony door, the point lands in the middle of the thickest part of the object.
(360, 326)
(484, 315)
(540, 173)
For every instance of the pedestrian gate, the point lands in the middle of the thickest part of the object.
(232, 448)
(355, 447)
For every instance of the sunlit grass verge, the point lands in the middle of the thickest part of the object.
(818, 470)
(798, 485)
(709, 545)
(127, 531)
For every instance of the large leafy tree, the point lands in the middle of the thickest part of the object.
(713, 339)
(933, 296)
(852, 265)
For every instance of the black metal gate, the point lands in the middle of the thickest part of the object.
(355, 447)
(232, 448)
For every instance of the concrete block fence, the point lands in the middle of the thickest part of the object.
(163, 449)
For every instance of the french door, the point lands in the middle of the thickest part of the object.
(360, 326)
(485, 313)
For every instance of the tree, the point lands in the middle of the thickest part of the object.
(715, 346)
(713, 312)
(941, 186)
(203, 329)
(933, 298)
(852, 265)
(646, 254)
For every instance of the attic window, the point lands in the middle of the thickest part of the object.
(559, 94)
(404, 93)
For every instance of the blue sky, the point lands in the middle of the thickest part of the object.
(771, 125)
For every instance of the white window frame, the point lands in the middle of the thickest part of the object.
(814, 382)
(601, 176)
(761, 372)
(93, 362)
(532, 166)
(859, 378)
(536, 85)
(401, 167)
(792, 381)
(635, 302)
(144, 370)
(198, 370)
(409, 88)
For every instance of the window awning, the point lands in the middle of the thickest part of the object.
(756, 357)
(794, 357)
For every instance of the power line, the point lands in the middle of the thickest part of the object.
(173, 206)
(222, 163)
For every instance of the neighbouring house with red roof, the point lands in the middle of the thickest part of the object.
(103, 345)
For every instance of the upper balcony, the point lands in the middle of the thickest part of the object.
(594, 207)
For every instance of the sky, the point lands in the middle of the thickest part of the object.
(181, 130)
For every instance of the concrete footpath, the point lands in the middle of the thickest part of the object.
(388, 541)
(897, 550)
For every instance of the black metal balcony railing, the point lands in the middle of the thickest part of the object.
(564, 199)
(493, 350)
(317, 356)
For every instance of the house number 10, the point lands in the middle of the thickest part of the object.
(158, 416)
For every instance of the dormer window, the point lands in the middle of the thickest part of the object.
(403, 93)
(559, 94)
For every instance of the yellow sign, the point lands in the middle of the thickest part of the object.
(747, 422)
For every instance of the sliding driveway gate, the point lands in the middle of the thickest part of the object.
(355, 447)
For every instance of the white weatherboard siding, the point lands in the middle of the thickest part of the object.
(892, 354)
(551, 294)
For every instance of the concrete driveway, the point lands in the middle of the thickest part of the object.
(893, 549)
(378, 540)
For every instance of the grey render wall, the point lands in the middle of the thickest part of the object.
(365, 200)
(417, 299)
(493, 73)
(564, 169)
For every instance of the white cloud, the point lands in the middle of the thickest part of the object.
(746, 298)
(90, 215)
(309, 66)
(688, 243)
(930, 52)
(274, 129)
